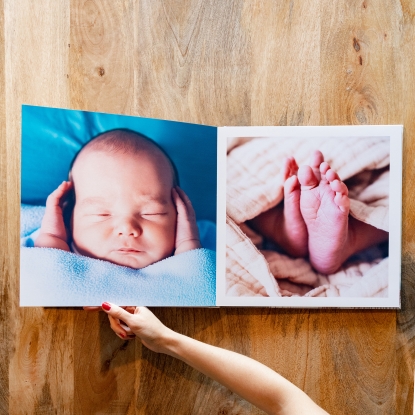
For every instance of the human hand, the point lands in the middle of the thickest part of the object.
(52, 231)
(129, 322)
(187, 234)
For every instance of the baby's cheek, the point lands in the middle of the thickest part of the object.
(167, 236)
(88, 238)
(170, 232)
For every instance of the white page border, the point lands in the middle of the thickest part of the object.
(395, 132)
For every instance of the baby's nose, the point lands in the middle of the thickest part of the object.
(128, 227)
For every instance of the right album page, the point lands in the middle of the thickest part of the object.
(309, 216)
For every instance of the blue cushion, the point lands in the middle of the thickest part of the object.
(51, 137)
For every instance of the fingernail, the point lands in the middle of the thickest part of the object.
(106, 306)
(122, 335)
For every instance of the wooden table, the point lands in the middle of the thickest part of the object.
(219, 63)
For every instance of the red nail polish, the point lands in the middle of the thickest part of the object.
(122, 335)
(106, 306)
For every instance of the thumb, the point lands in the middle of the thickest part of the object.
(117, 312)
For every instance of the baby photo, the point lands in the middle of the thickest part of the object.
(127, 209)
(125, 216)
(309, 217)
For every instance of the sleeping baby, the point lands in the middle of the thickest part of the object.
(127, 208)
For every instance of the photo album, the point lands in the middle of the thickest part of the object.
(141, 211)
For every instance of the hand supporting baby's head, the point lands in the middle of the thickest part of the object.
(127, 208)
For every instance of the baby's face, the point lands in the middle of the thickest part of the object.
(124, 211)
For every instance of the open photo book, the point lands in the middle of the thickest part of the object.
(140, 211)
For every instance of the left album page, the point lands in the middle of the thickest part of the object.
(116, 208)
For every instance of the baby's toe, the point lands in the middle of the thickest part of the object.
(290, 185)
(342, 201)
(307, 178)
(324, 167)
(332, 175)
(294, 166)
(316, 159)
(339, 187)
(289, 167)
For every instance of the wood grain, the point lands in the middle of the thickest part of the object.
(361, 63)
(408, 75)
(220, 63)
(405, 337)
(285, 62)
(40, 362)
(105, 378)
(225, 328)
(101, 50)
(188, 53)
(4, 263)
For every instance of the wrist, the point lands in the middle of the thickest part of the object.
(48, 240)
(187, 245)
(170, 343)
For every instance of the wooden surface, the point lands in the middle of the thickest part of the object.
(219, 63)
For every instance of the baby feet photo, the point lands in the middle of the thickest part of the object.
(320, 207)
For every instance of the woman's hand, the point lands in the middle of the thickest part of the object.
(130, 322)
(248, 378)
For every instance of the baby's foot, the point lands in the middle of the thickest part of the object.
(294, 227)
(283, 224)
(324, 206)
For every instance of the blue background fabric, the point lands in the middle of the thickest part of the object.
(55, 278)
(51, 137)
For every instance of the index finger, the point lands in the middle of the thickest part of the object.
(117, 312)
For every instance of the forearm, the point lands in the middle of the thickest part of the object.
(248, 378)
(46, 240)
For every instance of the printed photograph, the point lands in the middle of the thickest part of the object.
(309, 217)
(116, 207)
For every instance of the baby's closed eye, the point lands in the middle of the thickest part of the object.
(99, 215)
(153, 210)
(154, 214)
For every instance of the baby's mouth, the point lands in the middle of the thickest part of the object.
(128, 250)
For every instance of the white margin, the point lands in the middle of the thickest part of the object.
(395, 132)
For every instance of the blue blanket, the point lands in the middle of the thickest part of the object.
(52, 277)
